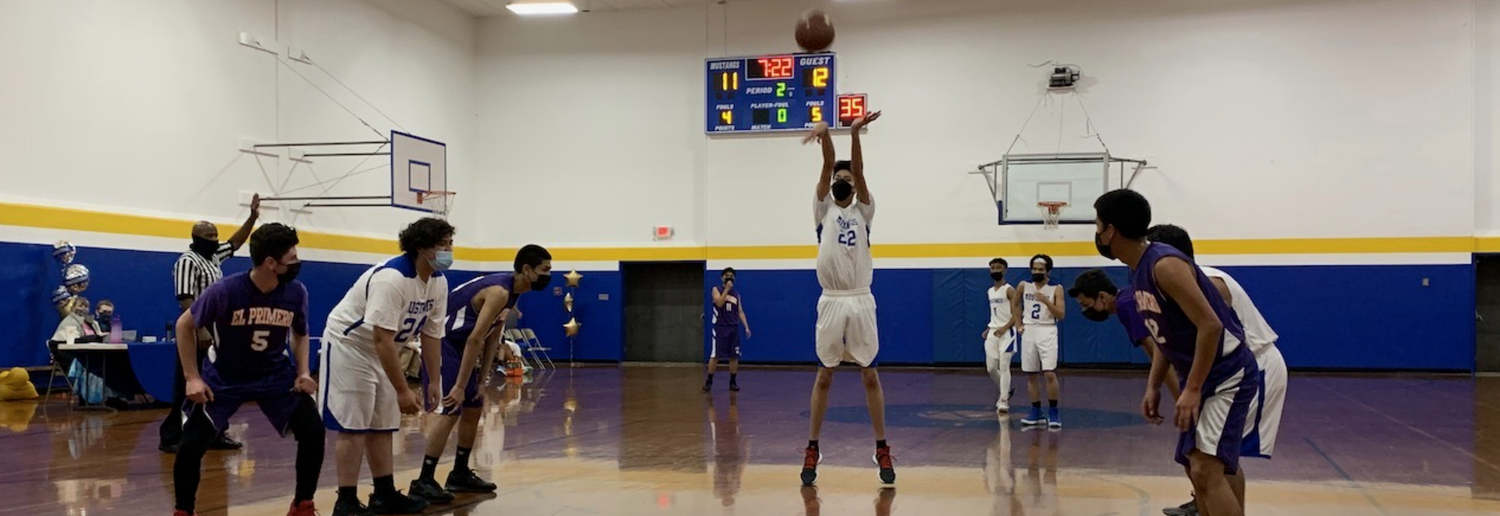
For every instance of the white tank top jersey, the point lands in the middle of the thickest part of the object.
(844, 244)
(1257, 331)
(999, 306)
(1036, 313)
(392, 296)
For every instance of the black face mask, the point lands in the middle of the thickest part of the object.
(842, 190)
(204, 246)
(1095, 315)
(105, 316)
(291, 273)
(1037, 277)
(1104, 250)
(997, 276)
(729, 281)
(541, 281)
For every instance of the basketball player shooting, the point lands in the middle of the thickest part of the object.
(846, 329)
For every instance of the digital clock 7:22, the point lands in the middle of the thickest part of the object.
(789, 92)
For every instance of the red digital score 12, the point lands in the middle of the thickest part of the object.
(852, 107)
(775, 67)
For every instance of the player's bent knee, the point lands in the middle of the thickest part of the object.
(1204, 468)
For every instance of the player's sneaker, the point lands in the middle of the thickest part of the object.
(303, 509)
(1052, 418)
(1002, 407)
(810, 464)
(351, 508)
(1035, 418)
(183, 513)
(396, 503)
(468, 482)
(708, 386)
(430, 490)
(734, 386)
(886, 462)
(1188, 509)
(223, 442)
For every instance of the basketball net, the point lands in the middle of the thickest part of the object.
(1051, 213)
(438, 201)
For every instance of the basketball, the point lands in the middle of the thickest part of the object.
(814, 31)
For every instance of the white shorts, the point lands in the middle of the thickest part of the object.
(1000, 348)
(846, 328)
(1039, 348)
(354, 394)
(1265, 412)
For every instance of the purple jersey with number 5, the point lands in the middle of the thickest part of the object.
(251, 328)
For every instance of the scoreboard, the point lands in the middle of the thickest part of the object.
(788, 92)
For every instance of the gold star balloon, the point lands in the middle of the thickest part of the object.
(573, 277)
(568, 302)
(571, 329)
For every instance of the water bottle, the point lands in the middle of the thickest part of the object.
(114, 329)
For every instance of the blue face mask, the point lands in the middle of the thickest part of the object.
(443, 261)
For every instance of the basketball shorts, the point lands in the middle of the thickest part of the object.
(726, 342)
(1002, 347)
(354, 394)
(846, 330)
(1222, 419)
(1039, 348)
(1265, 420)
(272, 394)
(452, 359)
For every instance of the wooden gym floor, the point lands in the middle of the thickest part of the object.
(643, 440)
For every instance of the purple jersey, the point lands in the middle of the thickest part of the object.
(461, 312)
(1175, 334)
(729, 314)
(1130, 317)
(251, 328)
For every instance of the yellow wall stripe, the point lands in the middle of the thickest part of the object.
(51, 217)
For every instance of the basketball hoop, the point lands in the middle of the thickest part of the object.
(436, 201)
(1051, 213)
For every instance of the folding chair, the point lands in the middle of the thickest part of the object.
(536, 347)
(57, 368)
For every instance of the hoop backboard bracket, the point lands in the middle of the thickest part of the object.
(1020, 182)
(418, 173)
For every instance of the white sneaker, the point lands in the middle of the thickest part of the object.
(1002, 407)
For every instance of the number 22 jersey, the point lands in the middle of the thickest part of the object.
(844, 244)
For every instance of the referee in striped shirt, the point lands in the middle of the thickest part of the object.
(193, 272)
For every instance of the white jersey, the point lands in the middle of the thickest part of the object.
(1258, 332)
(999, 306)
(844, 245)
(392, 296)
(1035, 311)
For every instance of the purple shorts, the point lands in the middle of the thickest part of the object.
(274, 396)
(726, 342)
(451, 359)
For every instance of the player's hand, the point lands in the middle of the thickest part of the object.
(199, 391)
(1151, 406)
(747, 333)
(454, 397)
(255, 206)
(818, 132)
(305, 384)
(1187, 408)
(864, 121)
(407, 400)
(1020, 328)
(999, 333)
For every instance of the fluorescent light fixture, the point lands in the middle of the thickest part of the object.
(530, 8)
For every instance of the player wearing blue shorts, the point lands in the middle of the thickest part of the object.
(729, 315)
(1196, 332)
(254, 316)
(476, 315)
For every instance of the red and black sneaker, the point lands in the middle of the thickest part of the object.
(306, 508)
(810, 466)
(887, 465)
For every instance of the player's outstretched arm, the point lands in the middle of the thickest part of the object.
(857, 157)
(825, 178)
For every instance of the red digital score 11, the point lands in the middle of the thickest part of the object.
(852, 106)
(775, 67)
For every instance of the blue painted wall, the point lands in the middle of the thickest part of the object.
(1339, 317)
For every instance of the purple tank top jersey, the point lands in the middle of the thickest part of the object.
(252, 327)
(461, 312)
(1174, 332)
(729, 314)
